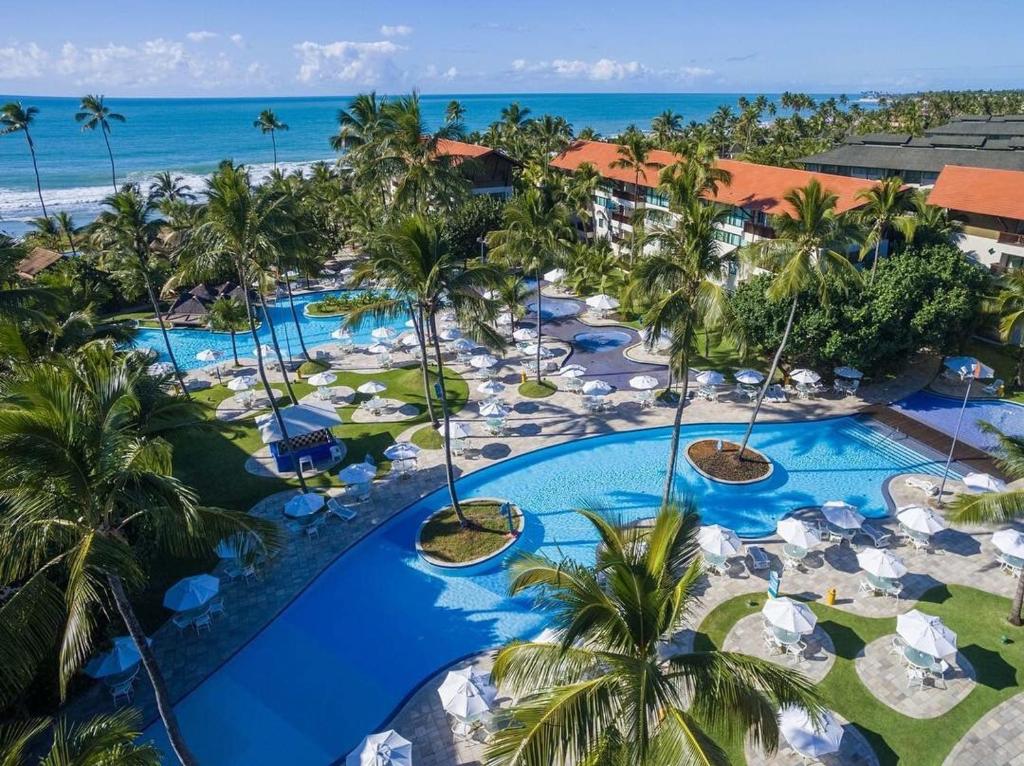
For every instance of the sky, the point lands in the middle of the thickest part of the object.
(320, 47)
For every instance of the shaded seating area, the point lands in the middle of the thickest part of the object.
(310, 441)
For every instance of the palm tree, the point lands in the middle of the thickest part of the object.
(634, 154)
(416, 262)
(241, 230)
(999, 507)
(928, 224)
(885, 206)
(537, 234)
(579, 193)
(267, 122)
(45, 231)
(170, 188)
(228, 315)
(127, 232)
(810, 244)
(358, 123)
(666, 127)
(680, 289)
(104, 739)
(510, 292)
(15, 118)
(88, 491)
(455, 111)
(603, 694)
(66, 226)
(93, 113)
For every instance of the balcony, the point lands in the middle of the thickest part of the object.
(1007, 238)
(626, 218)
(756, 229)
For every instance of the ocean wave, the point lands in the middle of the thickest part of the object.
(23, 205)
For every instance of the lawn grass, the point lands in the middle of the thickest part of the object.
(1001, 358)
(444, 539)
(978, 618)
(427, 437)
(718, 353)
(531, 389)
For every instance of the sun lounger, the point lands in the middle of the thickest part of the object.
(918, 540)
(337, 508)
(879, 537)
(775, 394)
(1010, 564)
(928, 487)
(993, 388)
(757, 559)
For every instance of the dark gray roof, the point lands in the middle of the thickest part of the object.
(919, 159)
(878, 138)
(1007, 125)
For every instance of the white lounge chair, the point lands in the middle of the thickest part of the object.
(879, 537)
(337, 508)
(775, 393)
(123, 688)
(993, 388)
(757, 559)
(926, 486)
(1010, 564)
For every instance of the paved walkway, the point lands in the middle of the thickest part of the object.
(854, 750)
(997, 739)
(814, 662)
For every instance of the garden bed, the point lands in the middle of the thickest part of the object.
(531, 389)
(443, 542)
(719, 460)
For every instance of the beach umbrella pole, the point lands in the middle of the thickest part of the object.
(956, 434)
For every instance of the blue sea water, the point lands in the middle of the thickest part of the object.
(380, 620)
(190, 136)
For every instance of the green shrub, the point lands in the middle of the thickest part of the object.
(312, 368)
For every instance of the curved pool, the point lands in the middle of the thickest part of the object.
(553, 308)
(316, 331)
(941, 413)
(378, 621)
(599, 341)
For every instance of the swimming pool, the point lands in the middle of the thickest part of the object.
(377, 622)
(599, 341)
(941, 412)
(187, 342)
(553, 308)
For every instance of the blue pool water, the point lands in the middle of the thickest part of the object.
(187, 342)
(553, 308)
(376, 623)
(941, 413)
(600, 341)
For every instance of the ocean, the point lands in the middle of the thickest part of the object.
(190, 136)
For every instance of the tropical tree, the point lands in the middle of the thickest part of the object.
(66, 225)
(928, 224)
(579, 194)
(510, 292)
(634, 155)
(667, 127)
(357, 125)
(88, 491)
(127, 232)
(228, 315)
(602, 693)
(167, 187)
(537, 234)
(999, 507)
(811, 241)
(885, 206)
(416, 262)
(92, 114)
(592, 268)
(16, 118)
(267, 122)
(101, 740)
(455, 111)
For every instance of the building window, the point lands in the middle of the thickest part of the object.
(728, 237)
(736, 216)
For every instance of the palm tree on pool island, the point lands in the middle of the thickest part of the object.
(267, 122)
(602, 690)
(93, 114)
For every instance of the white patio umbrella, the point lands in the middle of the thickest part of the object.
(597, 388)
(324, 378)
(602, 302)
(379, 348)
(409, 340)
(983, 482)
(663, 341)
(483, 361)
(388, 748)
(303, 505)
(531, 350)
(796, 532)
(1010, 542)
(555, 275)
(881, 563)
(402, 451)
(462, 698)
(191, 592)
(449, 334)
(806, 737)
(926, 633)
(850, 373)
(718, 540)
(382, 333)
(410, 323)
(371, 387)
(789, 615)
(341, 333)
(209, 355)
(710, 378)
(807, 377)
(644, 382)
(357, 473)
(490, 388)
(461, 344)
(573, 371)
(749, 377)
(524, 334)
(242, 383)
(456, 429)
(266, 350)
(493, 409)
(842, 515)
(919, 519)
(481, 681)
(123, 656)
(159, 369)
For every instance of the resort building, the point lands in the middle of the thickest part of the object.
(489, 170)
(990, 205)
(37, 261)
(981, 141)
(755, 193)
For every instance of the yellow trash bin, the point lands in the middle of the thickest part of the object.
(830, 597)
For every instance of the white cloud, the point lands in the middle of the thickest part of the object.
(201, 36)
(433, 72)
(237, 39)
(604, 70)
(22, 63)
(363, 63)
(398, 30)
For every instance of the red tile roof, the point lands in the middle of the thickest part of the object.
(983, 191)
(38, 260)
(755, 187)
(446, 147)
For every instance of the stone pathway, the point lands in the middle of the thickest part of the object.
(231, 409)
(815, 662)
(392, 411)
(882, 669)
(854, 750)
(997, 739)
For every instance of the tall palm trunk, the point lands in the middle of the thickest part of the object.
(71, 243)
(770, 378)
(419, 327)
(539, 322)
(273, 142)
(234, 348)
(874, 261)
(163, 330)
(1015, 617)
(277, 347)
(110, 153)
(266, 382)
(673, 453)
(449, 471)
(35, 167)
(156, 678)
(295, 314)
